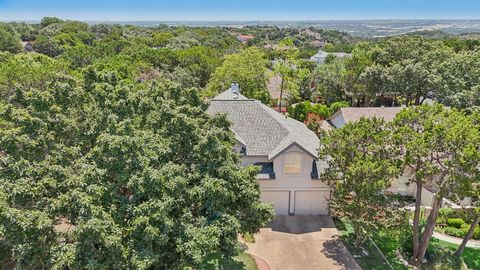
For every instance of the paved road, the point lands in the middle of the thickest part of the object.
(303, 243)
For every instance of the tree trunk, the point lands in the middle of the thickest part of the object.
(416, 217)
(417, 100)
(359, 237)
(429, 227)
(281, 96)
(467, 237)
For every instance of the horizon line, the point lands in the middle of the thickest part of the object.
(249, 20)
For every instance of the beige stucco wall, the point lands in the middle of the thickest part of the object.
(295, 184)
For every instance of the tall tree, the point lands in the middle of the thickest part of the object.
(110, 175)
(469, 187)
(361, 157)
(248, 68)
(441, 147)
(285, 66)
(9, 40)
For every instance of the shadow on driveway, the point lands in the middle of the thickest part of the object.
(335, 250)
(300, 224)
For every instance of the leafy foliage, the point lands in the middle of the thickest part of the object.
(114, 175)
(361, 158)
(9, 39)
(248, 68)
(440, 148)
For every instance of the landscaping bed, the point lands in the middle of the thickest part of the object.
(457, 227)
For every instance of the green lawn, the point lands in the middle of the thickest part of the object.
(439, 253)
(470, 256)
(241, 262)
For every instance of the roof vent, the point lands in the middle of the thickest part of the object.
(235, 89)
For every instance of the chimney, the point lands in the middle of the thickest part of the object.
(235, 89)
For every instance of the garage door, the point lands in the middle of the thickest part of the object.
(279, 199)
(311, 202)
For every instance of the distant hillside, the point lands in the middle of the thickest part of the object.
(359, 28)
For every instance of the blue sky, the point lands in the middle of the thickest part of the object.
(212, 10)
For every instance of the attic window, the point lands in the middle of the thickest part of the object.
(293, 163)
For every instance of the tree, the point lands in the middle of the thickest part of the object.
(114, 175)
(201, 61)
(460, 77)
(9, 40)
(360, 157)
(47, 46)
(469, 187)
(330, 81)
(440, 148)
(46, 21)
(286, 68)
(25, 71)
(160, 39)
(248, 68)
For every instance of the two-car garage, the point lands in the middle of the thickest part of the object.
(299, 202)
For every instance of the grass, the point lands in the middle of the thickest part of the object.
(470, 256)
(439, 254)
(374, 260)
(240, 262)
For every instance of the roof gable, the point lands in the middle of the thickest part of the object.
(264, 131)
(353, 114)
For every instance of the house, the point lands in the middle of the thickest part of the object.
(352, 114)
(245, 38)
(284, 148)
(27, 46)
(320, 57)
(400, 185)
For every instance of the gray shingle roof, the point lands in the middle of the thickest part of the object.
(353, 114)
(264, 131)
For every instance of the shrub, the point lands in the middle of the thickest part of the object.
(335, 106)
(455, 232)
(444, 214)
(455, 222)
(476, 233)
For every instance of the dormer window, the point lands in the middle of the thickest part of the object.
(293, 163)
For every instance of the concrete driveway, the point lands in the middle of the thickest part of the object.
(302, 242)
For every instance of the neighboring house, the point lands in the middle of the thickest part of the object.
(320, 57)
(401, 184)
(352, 114)
(245, 38)
(27, 46)
(285, 149)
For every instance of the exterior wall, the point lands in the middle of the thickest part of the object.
(338, 121)
(300, 185)
(401, 186)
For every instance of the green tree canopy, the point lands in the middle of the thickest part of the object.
(46, 21)
(110, 175)
(248, 68)
(441, 148)
(9, 39)
(360, 156)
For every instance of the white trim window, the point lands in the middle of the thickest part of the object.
(293, 163)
